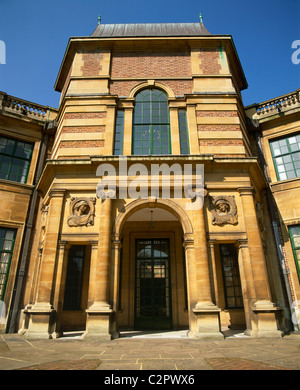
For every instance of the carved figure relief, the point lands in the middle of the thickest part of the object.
(223, 210)
(44, 216)
(81, 211)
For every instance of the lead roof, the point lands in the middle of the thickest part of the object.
(150, 30)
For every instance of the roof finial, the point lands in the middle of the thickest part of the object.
(201, 18)
(99, 19)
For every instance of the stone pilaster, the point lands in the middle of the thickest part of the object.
(203, 313)
(262, 311)
(99, 312)
(42, 313)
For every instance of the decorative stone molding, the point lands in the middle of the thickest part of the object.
(81, 211)
(223, 210)
(165, 204)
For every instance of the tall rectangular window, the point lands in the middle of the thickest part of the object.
(74, 278)
(151, 123)
(286, 157)
(183, 132)
(295, 240)
(119, 134)
(7, 242)
(15, 157)
(231, 275)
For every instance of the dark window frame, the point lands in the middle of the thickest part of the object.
(231, 277)
(74, 278)
(119, 133)
(183, 132)
(6, 253)
(286, 156)
(295, 247)
(15, 159)
(151, 123)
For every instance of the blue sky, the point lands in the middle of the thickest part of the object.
(36, 34)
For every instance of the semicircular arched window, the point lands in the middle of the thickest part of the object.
(151, 123)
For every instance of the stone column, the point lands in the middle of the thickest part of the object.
(115, 282)
(247, 283)
(41, 314)
(213, 271)
(192, 126)
(60, 280)
(264, 323)
(174, 130)
(128, 126)
(204, 314)
(99, 309)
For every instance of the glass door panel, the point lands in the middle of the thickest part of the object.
(152, 295)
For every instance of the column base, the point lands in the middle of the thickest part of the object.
(99, 323)
(266, 323)
(40, 321)
(206, 324)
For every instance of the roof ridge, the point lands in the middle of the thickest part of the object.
(149, 29)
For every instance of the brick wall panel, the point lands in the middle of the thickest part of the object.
(91, 64)
(151, 64)
(210, 62)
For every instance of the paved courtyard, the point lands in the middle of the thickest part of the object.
(138, 351)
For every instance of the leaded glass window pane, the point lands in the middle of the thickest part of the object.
(73, 287)
(151, 123)
(119, 134)
(286, 157)
(183, 132)
(231, 276)
(15, 158)
(295, 241)
(7, 241)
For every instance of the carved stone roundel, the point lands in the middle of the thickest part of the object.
(223, 210)
(81, 211)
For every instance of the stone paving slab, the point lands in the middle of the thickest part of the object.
(16, 353)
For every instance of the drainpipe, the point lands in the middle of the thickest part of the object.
(284, 270)
(17, 294)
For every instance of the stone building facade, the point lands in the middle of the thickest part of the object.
(110, 250)
(26, 136)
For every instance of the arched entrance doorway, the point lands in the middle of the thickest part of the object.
(152, 272)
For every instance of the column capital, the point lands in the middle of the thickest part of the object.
(246, 191)
(94, 244)
(242, 243)
(57, 193)
(62, 245)
(129, 107)
(188, 241)
(211, 242)
(117, 244)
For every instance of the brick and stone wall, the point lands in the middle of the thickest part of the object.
(81, 133)
(150, 64)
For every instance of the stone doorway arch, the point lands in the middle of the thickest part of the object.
(132, 225)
